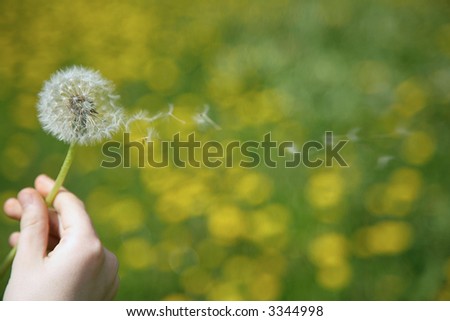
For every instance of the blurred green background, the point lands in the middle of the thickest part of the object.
(375, 72)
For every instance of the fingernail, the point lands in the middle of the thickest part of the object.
(43, 176)
(46, 178)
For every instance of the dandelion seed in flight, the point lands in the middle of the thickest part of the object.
(203, 118)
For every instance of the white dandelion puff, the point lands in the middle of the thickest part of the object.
(77, 105)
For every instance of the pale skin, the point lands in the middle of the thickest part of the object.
(59, 255)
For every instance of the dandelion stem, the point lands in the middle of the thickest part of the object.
(7, 262)
(61, 176)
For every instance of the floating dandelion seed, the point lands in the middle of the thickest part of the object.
(402, 131)
(77, 105)
(143, 116)
(383, 160)
(203, 118)
(353, 134)
(170, 113)
(152, 135)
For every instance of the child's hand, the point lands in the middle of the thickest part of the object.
(59, 256)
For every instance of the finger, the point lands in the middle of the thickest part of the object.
(44, 185)
(34, 226)
(52, 241)
(112, 265)
(14, 239)
(114, 289)
(73, 216)
(53, 236)
(13, 209)
(72, 212)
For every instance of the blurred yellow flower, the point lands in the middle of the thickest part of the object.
(125, 215)
(385, 238)
(137, 254)
(328, 250)
(397, 196)
(372, 76)
(227, 223)
(418, 148)
(225, 291)
(196, 281)
(264, 286)
(189, 198)
(253, 188)
(269, 226)
(325, 189)
(334, 277)
(411, 98)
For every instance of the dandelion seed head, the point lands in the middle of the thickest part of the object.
(77, 105)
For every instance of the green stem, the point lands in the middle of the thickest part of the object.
(7, 262)
(61, 176)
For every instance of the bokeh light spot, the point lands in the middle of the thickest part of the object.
(126, 215)
(335, 277)
(387, 238)
(325, 189)
(411, 98)
(227, 223)
(269, 226)
(264, 286)
(418, 148)
(253, 188)
(328, 250)
(373, 76)
(397, 196)
(137, 254)
(196, 281)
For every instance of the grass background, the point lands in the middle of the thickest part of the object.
(374, 72)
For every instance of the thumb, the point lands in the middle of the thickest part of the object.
(34, 226)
